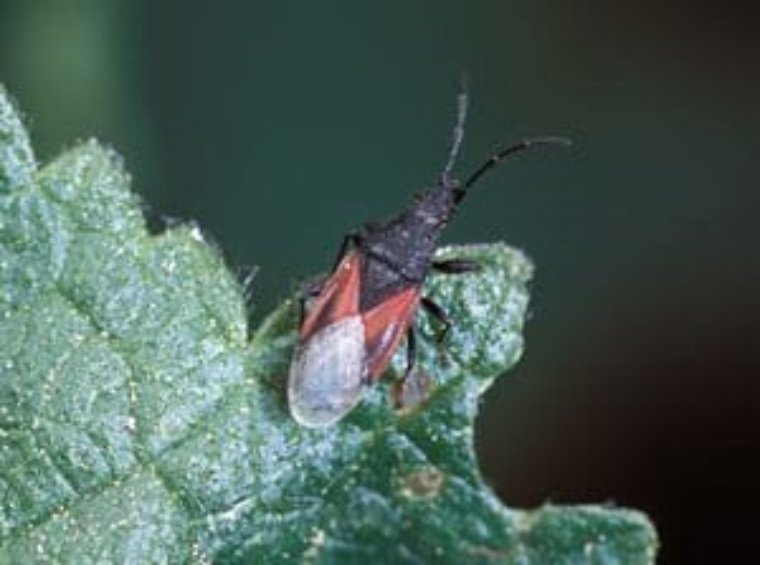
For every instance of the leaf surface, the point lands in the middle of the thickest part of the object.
(139, 423)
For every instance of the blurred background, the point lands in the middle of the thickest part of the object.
(280, 126)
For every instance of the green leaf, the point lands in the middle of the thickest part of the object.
(16, 157)
(138, 423)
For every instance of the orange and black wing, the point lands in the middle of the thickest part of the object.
(385, 326)
(338, 299)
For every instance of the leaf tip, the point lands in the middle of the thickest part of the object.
(17, 162)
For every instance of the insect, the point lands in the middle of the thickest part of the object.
(360, 315)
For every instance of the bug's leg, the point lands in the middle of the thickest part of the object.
(312, 288)
(309, 289)
(411, 350)
(456, 266)
(437, 311)
(411, 360)
(351, 238)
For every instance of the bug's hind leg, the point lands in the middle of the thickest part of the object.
(416, 385)
(457, 266)
(411, 363)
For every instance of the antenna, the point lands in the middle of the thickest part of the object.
(458, 135)
(504, 153)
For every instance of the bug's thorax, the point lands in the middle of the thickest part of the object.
(397, 254)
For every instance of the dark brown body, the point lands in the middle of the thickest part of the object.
(398, 254)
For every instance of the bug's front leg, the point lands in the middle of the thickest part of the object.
(312, 288)
(457, 266)
(351, 238)
(309, 289)
(437, 311)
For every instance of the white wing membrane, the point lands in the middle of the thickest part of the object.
(328, 373)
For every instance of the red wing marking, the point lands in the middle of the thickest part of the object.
(339, 297)
(385, 326)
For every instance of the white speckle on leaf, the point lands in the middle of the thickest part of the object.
(316, 543)
(130, 424)
(196, 234)
(169, 265)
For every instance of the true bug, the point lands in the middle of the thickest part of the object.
(362, 312)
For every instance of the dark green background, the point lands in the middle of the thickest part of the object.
(279, 127)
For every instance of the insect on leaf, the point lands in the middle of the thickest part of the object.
(138, 423)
